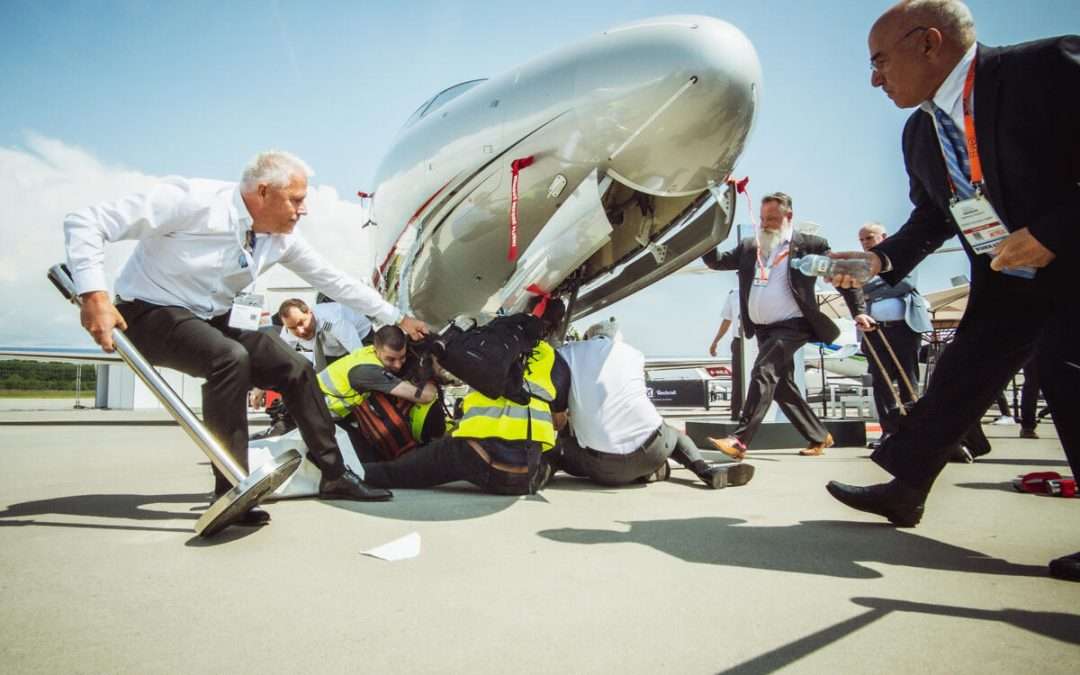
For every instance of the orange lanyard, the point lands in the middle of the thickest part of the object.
(969, 128)
(764, 271)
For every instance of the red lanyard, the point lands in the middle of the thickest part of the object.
(764, 274)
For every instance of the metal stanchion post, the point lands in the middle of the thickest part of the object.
(248, 490)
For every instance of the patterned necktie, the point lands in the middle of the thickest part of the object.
(954, 149)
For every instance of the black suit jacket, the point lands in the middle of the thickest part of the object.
(1027, 124)
(743, 259)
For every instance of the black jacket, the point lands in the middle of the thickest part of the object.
(743, 258)
(1027, 124)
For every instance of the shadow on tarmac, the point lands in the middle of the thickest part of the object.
(1063, 627)
(827, 548)
(124, 506)
(456, 501)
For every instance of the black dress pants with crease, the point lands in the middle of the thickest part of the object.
(233, 361)
(773, 376)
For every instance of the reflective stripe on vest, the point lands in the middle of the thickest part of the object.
(334, 381)
(485, 417)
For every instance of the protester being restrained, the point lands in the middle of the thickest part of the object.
(378, 369)
(618, 435)
(498, 442)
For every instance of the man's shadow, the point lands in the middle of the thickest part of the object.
(828, 548)
(122, 506)
(1055, 625)
(454, 501)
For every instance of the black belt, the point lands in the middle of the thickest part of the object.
(641, 448)
(889, 324)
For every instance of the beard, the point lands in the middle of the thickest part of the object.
(768, 240)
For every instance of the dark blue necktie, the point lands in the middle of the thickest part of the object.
(954, 149)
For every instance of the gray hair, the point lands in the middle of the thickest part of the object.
(780, 198)
(273, 167)
(873, 226)
(608, 329)
(951, 17)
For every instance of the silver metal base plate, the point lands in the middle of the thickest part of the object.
(247, 493)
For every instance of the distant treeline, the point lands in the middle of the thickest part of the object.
(32, 375)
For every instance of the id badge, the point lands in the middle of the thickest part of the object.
(979, 223)
(246, 311)
(761, 276)
(983, 229)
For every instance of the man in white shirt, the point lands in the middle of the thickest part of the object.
(329, 330)
(618, 436)
(201, 244)
(730, 317)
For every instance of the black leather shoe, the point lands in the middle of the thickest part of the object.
(731, 475)
(349, 486)
(961, 454)
(902, 505)
(1067, 568)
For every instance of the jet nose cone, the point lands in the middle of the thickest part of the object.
(683, 119)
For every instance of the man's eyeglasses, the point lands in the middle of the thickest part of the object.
(878, 61)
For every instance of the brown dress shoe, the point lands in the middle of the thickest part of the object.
(815, 449)
(730, 446)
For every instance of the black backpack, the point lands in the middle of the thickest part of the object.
(492, 358)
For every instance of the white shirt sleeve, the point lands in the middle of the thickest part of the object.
(350, 327)
(731, 308)
(164, 209)
(314, 269)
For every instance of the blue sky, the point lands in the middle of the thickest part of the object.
(195, 88)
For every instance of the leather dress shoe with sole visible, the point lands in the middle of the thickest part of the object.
(730, 446)
(816, 449)
(349, 486)
(1066, 567)
(662, 473)
(731, 475)
(901, 505)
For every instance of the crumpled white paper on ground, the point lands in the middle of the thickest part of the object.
(399, 549)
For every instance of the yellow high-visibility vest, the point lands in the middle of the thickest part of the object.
(485, 417)
(334, 381)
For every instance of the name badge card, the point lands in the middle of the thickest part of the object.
(979, 223)
(246, 311)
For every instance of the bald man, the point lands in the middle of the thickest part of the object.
(991, 155)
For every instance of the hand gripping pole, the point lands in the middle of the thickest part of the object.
(248, 490)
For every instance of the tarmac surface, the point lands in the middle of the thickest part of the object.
(100, 570)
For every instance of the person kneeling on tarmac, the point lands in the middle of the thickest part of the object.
(498, 443)
(381, 367)
(619, 437)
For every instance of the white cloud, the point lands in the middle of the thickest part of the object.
(48, 179)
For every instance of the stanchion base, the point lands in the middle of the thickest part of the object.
(248, 493)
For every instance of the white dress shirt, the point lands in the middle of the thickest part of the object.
(609, 408)
(950, 95)
(774, 302)
(191, 251)
(730, 312)
(340, 329)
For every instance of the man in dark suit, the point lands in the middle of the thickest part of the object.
(1020, 103)
(778, 304)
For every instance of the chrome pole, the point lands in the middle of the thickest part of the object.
(172, 402)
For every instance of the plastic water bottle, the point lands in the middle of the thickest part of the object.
(824, 266)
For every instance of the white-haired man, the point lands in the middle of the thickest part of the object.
(618, 435)
(202, 244)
